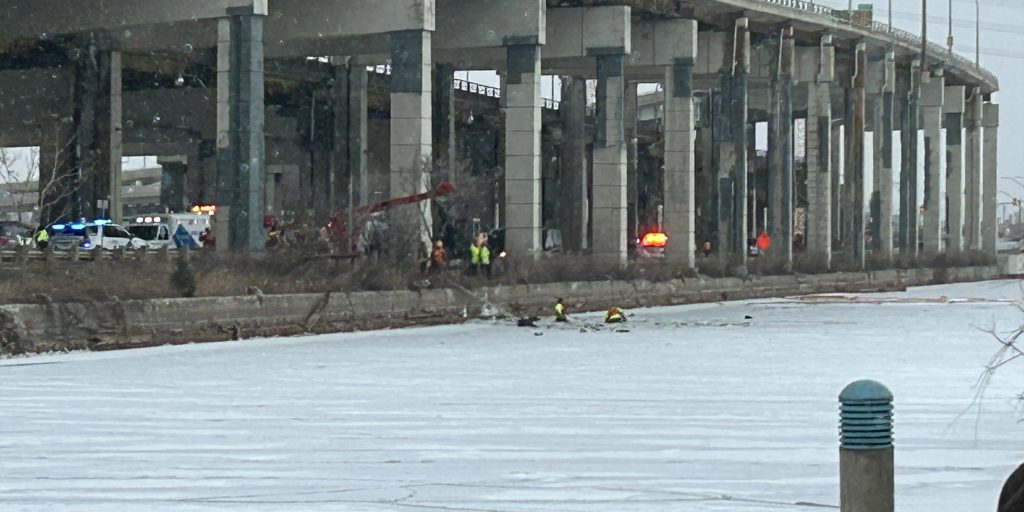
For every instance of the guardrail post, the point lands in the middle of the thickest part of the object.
(866, 452)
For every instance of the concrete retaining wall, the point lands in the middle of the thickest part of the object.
(33, 328)
(1011, 264)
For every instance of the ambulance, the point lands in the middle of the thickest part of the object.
(172, 230)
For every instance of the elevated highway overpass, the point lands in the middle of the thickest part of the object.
(218, 82)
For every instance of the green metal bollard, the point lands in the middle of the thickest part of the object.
(866, 482)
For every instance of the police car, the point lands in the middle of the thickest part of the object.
(97, 234)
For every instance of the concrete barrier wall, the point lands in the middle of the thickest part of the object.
(33, 328)
(1011, 264)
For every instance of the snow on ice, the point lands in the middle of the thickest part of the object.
(696, 408)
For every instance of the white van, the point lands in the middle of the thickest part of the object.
(173, 230)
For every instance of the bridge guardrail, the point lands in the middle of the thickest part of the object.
(841, 17)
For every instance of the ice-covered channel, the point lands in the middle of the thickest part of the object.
(696, 408)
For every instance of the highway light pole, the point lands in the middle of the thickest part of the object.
(924, 36)
(949, 38)
(977, 33)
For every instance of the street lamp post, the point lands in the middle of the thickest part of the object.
(977, 33)
(890, 16)
(949, 38)
(924, 36)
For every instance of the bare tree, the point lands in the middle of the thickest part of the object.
(60, 179)
(1011, 350)
(18, 171)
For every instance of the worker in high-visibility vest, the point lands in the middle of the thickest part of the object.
(42, 238)
(479, 256)
(560, 315)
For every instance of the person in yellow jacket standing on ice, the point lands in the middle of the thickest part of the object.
(560, 315)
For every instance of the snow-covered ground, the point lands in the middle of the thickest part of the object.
(694, 409)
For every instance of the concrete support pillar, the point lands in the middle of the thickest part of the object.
(632, 190)
(732, 188)
(522, 153)
(836, 158)
(115, 147)
(358, 140)
(953, 113)
(680, 162)
(97, 141)
(972, 184)
(609, 192)
(572, 178)
(932, 92)
(350, 183)
(819, 160)
(855, 158)
(444, 121)
(706, 179)
(909, 92)
(240, 134)
(173, 183)
(990, 184)
(341, 177)
(780, 202)
(411, 134)
(318, 128)
(883, 78)
(773, 194)
(722, 142)
(846, 226)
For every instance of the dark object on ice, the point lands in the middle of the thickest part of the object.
(748, 317)
(538, 334)
(1012, 497)
(530, 321)
(614, 316)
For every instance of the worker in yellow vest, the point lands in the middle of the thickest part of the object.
(560, 315)
(479, 256)
(42, 238)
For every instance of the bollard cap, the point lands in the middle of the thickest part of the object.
(865, 416)
(865, 390)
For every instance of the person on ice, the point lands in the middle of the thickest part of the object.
(560, 312)
(614, 316)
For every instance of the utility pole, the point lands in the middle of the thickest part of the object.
(977, 33)
(949, 38)
(924, 37)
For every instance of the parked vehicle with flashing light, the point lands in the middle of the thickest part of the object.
(97, 234)
(171, 230)
(14, 234)
(652, 245)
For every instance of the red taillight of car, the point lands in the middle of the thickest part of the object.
(4, 240)
(654, 240)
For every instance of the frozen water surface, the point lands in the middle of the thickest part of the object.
(695, 408)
